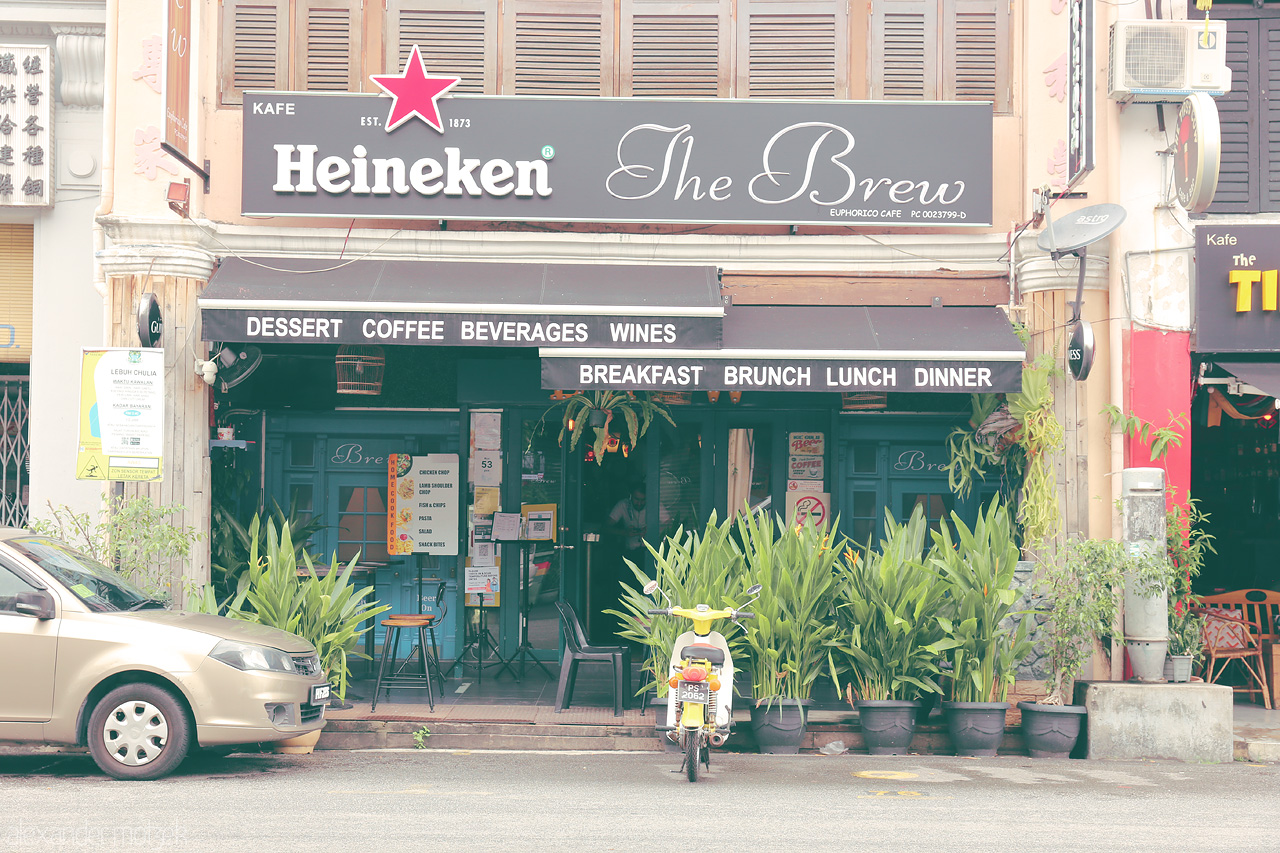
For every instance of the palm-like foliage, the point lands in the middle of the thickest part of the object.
(326, 611)
(978, 570)
(886, 613)
(636, 408)
(795, 567)
(692, 567)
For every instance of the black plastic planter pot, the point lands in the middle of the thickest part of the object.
(779, 725)
(1051, 731)
(976, 728)
(887, 724)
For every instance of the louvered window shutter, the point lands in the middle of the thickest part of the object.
(792, 49)
(1238, 114)
(975, 52)
(904, 50)
(328, 48)
(672, 49)
(457, 37)
(255, 38)
(1269, 126)
(558, 47)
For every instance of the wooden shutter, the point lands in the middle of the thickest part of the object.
(793, 49)
(1238, 112)
(1269, 124)
(16, 277)
(458, 37)
(669, 49)
(558, 47)
(975, 52)
(327, 49)
(255, 38)
(904, 50)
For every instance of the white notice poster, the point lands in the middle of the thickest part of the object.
(486, 468)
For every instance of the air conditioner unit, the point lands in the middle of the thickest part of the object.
(1154, 61)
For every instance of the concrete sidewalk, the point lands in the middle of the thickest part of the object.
(538, 726)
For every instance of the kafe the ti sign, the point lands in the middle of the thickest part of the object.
(613, 159)
(1237, 288)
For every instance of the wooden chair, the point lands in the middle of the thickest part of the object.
(1229, 636)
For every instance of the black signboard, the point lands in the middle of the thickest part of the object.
(621, 160)
(312, 326)
(1237, 305)
(150, 323)
(1080, 348)
(728, 373)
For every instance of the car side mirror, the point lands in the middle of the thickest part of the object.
(38, 603)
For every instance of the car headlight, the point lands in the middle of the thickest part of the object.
(245, 656)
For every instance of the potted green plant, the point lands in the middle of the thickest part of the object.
(1077, 600)
(598, 409)
(886, 617)
(788, 640)
(983, 649)
(1186, 641)
(692, 567)
(328, 611)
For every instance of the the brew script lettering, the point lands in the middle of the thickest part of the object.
(914, 460)
(777, 182)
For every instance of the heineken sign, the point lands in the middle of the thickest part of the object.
(417, 152)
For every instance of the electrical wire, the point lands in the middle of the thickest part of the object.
(230, 253)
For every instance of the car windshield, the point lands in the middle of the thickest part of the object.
(93, 583)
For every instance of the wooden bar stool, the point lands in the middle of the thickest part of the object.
(392, 676)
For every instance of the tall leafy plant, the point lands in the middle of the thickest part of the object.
(887, 604)
(139, 539)
(692, 567)
(329, 612)
(795, 567)
(977, 567)
(1078, 600)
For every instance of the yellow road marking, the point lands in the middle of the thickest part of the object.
(885, 774)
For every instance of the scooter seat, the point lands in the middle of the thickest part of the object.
(703, 651)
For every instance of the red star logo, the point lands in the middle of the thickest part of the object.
(414, 93)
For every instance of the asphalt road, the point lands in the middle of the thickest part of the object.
(437, 801)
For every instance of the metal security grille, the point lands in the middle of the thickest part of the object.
(15, 451)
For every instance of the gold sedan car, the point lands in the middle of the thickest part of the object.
(86, 658)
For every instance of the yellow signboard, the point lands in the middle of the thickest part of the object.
(121, 415)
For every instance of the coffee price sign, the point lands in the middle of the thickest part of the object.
(422, 504)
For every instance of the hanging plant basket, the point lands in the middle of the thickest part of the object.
(360, 369)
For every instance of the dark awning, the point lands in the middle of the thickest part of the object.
(1264, 376)
(462, 304)
(776, 348)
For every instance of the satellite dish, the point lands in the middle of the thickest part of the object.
(1076, 230)
(231, 365)
(1071, 235)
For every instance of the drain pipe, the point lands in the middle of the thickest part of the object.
(106, 199)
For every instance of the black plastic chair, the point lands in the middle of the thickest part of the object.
(577, 650)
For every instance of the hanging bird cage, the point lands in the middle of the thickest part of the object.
(360, 369)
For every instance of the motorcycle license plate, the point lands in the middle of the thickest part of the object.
(693, 691)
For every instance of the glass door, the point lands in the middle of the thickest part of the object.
(542, 561)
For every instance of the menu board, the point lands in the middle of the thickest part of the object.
(422, 504)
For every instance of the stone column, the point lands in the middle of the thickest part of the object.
(176, 275)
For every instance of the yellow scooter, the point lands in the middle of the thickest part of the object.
(701, 680)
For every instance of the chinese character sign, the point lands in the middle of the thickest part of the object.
(26, 134)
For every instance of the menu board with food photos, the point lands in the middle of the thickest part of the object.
(422, 504)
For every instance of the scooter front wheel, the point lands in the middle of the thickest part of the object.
(693, 754)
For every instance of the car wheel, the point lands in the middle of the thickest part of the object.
(138, 731)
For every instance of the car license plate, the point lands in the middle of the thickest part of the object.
(693, 691)
(320, 694)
